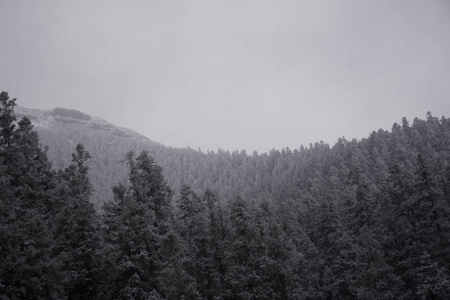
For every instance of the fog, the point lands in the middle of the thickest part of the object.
(251, 75)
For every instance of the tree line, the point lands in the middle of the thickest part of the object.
(365, 219)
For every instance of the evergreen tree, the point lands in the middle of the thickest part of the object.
(245, 249)
(218, 238)
(76, 229)
(27, 180)
(192, 225)
(137, 223)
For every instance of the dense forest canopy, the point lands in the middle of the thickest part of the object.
(365, 219)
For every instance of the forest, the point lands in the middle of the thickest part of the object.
(366, 219)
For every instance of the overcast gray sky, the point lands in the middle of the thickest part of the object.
(251, 75)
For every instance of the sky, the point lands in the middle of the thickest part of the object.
(231, 74)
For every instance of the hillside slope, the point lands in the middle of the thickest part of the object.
(300, 174)
(61, 129)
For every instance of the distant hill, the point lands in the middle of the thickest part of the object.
(226, 174)
(61, 129)
(300, 174)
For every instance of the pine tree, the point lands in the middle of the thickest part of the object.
(192, 225)
(76, 229)
(137, 224)
(430, 215)
(244, 250)
(218, 242)
(26, 181)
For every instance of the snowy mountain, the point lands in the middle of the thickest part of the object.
(61, 129)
